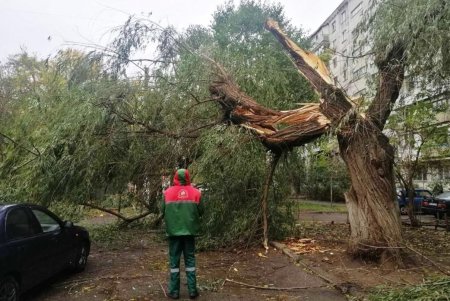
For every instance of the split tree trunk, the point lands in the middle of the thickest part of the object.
(373, 213)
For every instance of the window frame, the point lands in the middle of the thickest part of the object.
(48, 213)
(31, 219)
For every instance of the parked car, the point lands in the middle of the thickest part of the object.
(36, 245)
(438, 206)
(419, 196)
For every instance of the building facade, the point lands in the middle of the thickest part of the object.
(352, 67)
(350, 63)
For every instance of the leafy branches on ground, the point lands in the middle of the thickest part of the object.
(432, 289)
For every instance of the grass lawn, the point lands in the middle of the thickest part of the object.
(317, 206)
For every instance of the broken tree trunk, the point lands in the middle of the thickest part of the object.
(373, 214)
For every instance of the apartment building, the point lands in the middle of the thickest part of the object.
(350, 64)
(353, 68)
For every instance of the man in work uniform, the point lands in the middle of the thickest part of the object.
(182, 209)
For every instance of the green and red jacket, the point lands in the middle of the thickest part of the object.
(182, 206)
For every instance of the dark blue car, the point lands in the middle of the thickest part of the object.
(438, 206)
(36, 245)
(419, 196)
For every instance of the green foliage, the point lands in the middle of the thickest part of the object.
(317, 171)
(233, 167)
(68, 211)
(434, 289)
(106, 235)
(417, 138)
(314, 206)
(82, 128)
(423, 28)
(437, 188)
(255, 58)
(326, 56)
(67, 143)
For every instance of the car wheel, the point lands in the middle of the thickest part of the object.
(81, 259)
(9, 289)
(403, 210)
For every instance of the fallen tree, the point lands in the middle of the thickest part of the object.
(373, 214)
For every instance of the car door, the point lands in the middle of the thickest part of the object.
(24, 247)
(56, 237)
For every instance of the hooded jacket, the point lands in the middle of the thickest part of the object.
(182, 206)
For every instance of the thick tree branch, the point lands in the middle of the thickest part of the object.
(391, 75)
(112, 212)
(277, 130)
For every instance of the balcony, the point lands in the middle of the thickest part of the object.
(324, 42)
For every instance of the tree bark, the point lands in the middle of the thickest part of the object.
(372, 210)
(273, 159)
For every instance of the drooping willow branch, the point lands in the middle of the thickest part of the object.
(121, 216)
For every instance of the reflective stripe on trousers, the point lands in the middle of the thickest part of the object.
(177, 246)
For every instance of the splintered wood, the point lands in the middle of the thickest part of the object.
(276, 129)
(303, 246)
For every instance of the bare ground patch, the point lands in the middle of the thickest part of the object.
(132, 265)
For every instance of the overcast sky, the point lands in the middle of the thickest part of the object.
(44, 26)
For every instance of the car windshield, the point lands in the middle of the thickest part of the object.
(445, 195)
(424, 193)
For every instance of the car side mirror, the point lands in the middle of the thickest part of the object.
(68, 224)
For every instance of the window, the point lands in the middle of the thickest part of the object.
(441, 104)
(361, 92)
(421, 175)
(333, 26)
(48, 223)
(444, 173)
(357, 9)
(359, 72)
(334, 62)
(344, 36)
(344, 16)
(19, 225)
